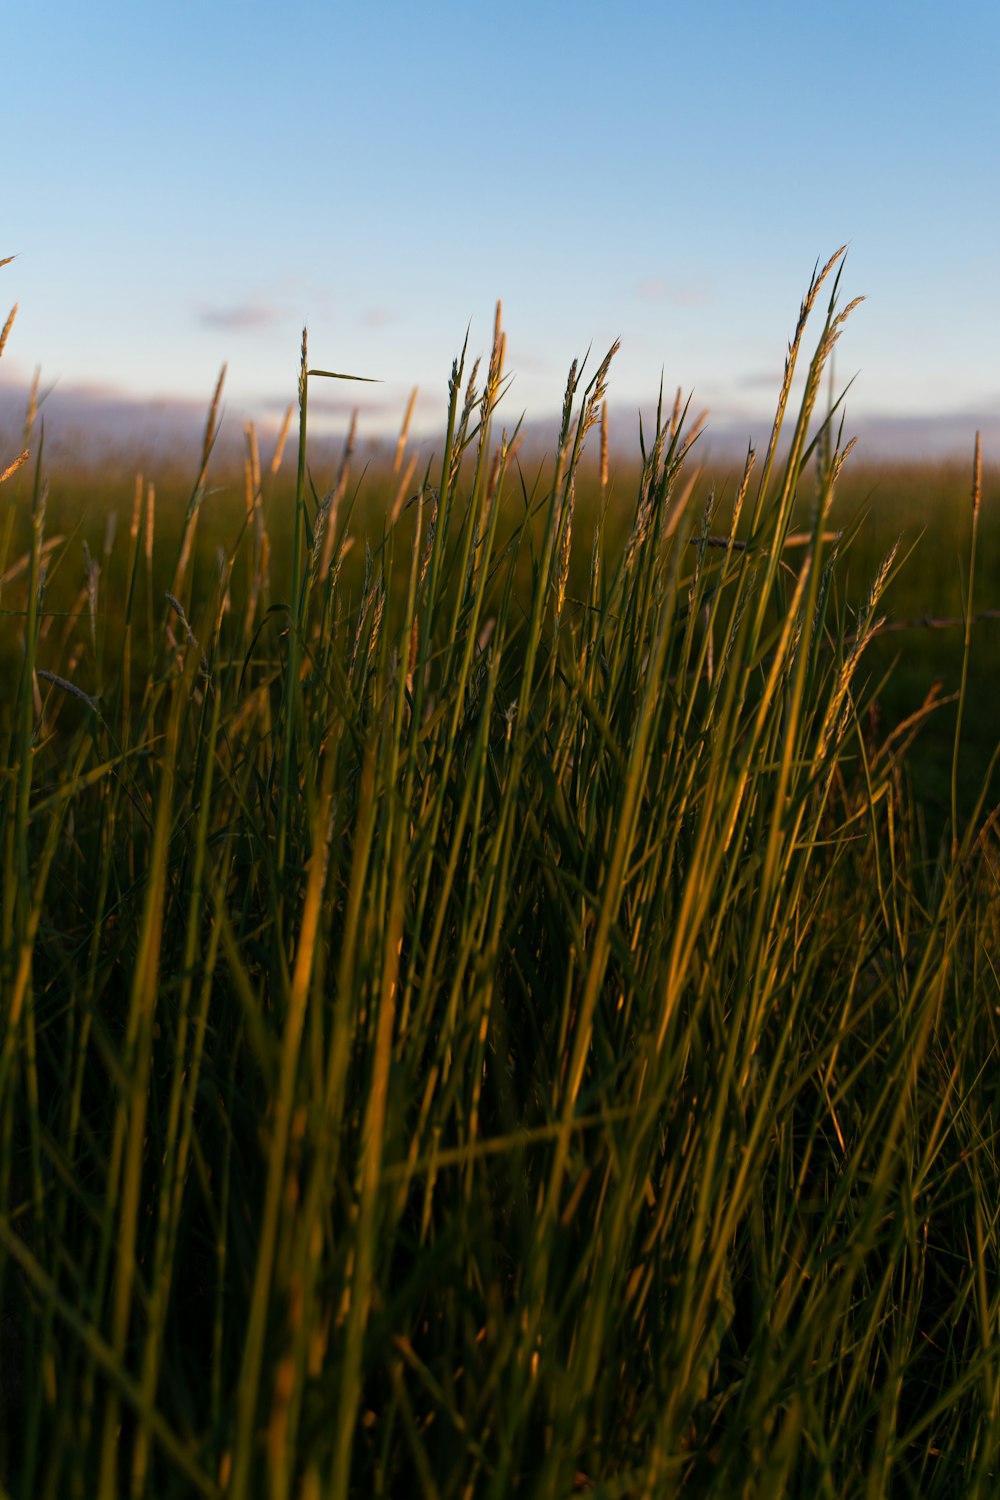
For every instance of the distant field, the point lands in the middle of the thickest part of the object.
(490, 1002)
(924, 507)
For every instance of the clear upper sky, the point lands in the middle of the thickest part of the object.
(187, 183)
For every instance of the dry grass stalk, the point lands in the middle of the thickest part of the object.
(211, 426)
(136, 509)
(186, 549)
(675, 415)
(253, 495)
(791, 358)
(22, 458)
(32, 409)
(494, 377)
(150, 522)
(194, 505)
(7, 327)
(251, 466)
(598, 389)
(833, 333)
(562, 562)
(841, 458)
(604, 447)
(11, 574)
(694, 432)
(400, 501)
(279, 447)
(680, 505)
(458, 446)
(331, 502)
(374, 597)
(397, 460)
(977, 477)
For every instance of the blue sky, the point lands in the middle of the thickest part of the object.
(188, 183)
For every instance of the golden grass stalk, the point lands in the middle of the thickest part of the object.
(22, 458)
(604, 448)
(791, 359)
(251, 466)
(150, 522)
(397, 458)
(136, 521)
(400, 501)
(211, 426)
(977, 477)
(494, 374)
(675, 415)
(31, 411)
(279, 447)
(7, 326)
(11, 574)
(562, 562)
(331, 504)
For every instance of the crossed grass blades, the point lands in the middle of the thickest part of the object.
(484, 1022)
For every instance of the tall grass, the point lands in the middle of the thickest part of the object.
(485, 1024)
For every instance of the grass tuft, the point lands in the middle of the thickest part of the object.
(481, 1012)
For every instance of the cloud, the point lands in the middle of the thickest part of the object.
(677, 293)
(240, 317)
(378, 317)
(756, 380)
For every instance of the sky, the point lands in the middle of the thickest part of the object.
(188, 184)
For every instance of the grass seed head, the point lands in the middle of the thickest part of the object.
(7, 327)
(977, 477)
(22, 458)
(65, 686)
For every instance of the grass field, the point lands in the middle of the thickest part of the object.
(498, 994)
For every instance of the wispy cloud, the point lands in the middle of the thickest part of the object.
(240, 317)
(378, 317)
(677, 293)
(756, 380)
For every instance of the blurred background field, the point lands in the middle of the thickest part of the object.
(924, 507)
